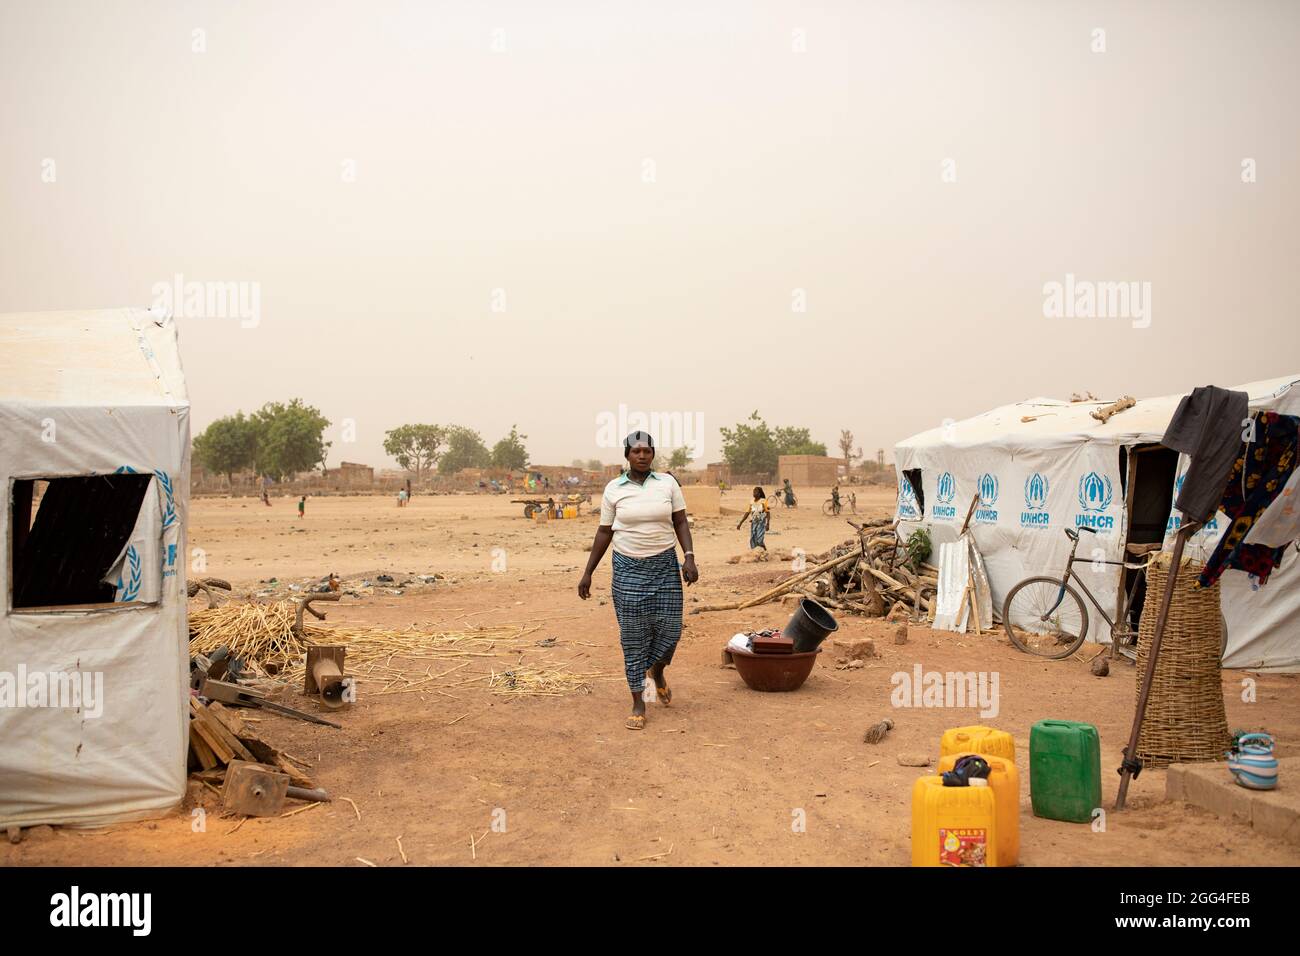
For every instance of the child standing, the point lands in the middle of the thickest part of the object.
(302, 506)
(757, 518)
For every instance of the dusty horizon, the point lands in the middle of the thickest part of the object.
(874, 217)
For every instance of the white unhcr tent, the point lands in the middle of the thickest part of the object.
(1043, 465)
(94, 459)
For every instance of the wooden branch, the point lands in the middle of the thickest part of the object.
(780, 588)
(1104, 415)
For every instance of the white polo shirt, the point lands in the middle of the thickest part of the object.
(642, 515)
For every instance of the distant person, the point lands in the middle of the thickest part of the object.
(789, 494)
(643, 515)
(302, 506)
(266, 499)
(757, 517)
(835, 498)
(402, 497)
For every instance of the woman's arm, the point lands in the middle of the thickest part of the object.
(604, 535)
(683, 529)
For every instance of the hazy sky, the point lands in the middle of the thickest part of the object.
(645, 187)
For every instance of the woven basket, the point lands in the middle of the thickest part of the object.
(1185, 719)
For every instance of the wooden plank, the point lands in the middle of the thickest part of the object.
(261, 751)
(224, 734)
(202, 752)
(223, 753)
(233, 720)
(219, 747)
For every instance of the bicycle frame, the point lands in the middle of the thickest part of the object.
(1070, 573)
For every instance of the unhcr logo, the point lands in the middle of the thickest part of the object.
(1034, 515)
(907, 500)
(1084, 299)
(945, 492)
(985, 513)
(1095, 493)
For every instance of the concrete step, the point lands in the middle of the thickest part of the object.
(1272, 813)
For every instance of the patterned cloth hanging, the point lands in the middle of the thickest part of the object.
(1259, 474)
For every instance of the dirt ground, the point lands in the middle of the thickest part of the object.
(717, 779)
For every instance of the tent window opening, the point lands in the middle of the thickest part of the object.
(913, 476)
(71, 542)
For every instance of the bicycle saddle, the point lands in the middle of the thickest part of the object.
(1140, 549)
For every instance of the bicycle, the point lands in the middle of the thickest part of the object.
(830, 507)
(1044, 616)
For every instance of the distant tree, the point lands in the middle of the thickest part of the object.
(753, 447)
(290, 438)
(510, 452)
(595, 464)
(846, 448)
(680, 458)
(750, 447)
(414, 447)
(577, 463)
(465, 449)
(797, 441)
(228, 445)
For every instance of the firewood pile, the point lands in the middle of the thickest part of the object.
(867, 574)
(219, 735)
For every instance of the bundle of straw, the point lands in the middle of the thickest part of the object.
(255, 633)
(526, 680)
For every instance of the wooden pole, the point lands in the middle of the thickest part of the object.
(969, 513)
(1131, 766)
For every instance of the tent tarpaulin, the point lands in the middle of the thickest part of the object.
(93, 697)
(1044, 465)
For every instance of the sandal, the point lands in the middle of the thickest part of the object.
(635, 722)
(662, 694)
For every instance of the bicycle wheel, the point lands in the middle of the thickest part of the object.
(828, 508)
(1031, 628)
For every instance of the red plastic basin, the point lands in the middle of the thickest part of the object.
(774, 672)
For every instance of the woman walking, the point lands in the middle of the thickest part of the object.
(643, 514)
(758, 516)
